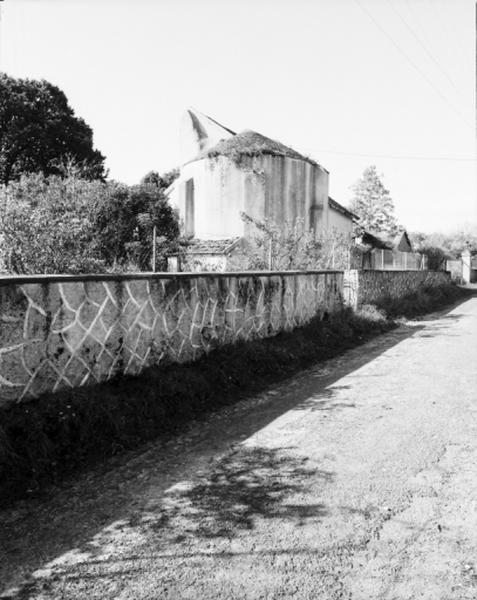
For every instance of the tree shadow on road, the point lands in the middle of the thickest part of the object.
(244, 486)
(249, 485)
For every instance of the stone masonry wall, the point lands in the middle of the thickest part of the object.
(65, 331)
(368, 287)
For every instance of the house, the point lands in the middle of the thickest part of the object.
(373, 242)
(209, 255)
(401, 242)
(340, 218)
(389, 253)
(225, 174)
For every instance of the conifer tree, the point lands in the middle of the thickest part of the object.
(373, 204)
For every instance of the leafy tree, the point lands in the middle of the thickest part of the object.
(161, 181)
(440, 246)
(374, 205)
(125, 221)
(71, 225)
(39, 130)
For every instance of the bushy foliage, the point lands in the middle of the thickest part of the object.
(47, 225)
(124, 222)
(71, 225)
(440, 246)
(39, 130)
(424, 300)
(161, 181)
(373, 204)
(292, 246)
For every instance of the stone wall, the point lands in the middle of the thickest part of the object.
(455, 269)
(369, 287)
(66, 331)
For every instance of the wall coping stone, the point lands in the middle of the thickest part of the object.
(23, 279)
(400, 270)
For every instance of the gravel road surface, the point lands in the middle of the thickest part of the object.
(356, 480)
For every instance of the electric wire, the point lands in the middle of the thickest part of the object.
(397, 156)
(423, 46)
(413, 64)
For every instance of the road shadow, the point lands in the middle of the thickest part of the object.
(245, 485)
(248, 484)
(442, 323)
(326, 400)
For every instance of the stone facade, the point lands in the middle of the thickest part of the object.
(65, 331)
(368, 287)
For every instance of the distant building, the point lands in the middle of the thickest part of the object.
(382, 253)
(402, 242)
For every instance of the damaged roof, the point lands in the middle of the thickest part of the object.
(251, 143)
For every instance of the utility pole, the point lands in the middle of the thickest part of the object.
(154, 249)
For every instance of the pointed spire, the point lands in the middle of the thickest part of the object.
(200, 132)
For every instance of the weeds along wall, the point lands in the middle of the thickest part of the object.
(60, 332)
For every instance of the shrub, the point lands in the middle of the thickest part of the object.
(290, 246)
(71, 225)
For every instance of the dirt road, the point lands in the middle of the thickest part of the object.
(355, 480)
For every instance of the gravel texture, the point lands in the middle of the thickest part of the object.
(354, 480)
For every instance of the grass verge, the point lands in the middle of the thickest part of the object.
(424, 301)
(44, 440)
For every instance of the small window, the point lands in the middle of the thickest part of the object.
(315, 216)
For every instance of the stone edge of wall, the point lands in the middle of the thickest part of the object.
(22, 279)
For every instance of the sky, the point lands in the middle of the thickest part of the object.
(349, 83)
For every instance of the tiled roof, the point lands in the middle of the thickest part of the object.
(342, 209)
(375, 241)
(223, 246)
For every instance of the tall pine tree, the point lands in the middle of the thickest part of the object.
(374, 205)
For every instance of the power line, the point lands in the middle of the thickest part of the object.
(460, 55)
(444, 26)
(412, 63)
(398, 157)
(424, 47)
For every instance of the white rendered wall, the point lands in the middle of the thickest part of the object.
(265, 187)
(339, 222)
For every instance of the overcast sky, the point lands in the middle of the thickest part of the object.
(348, 82)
